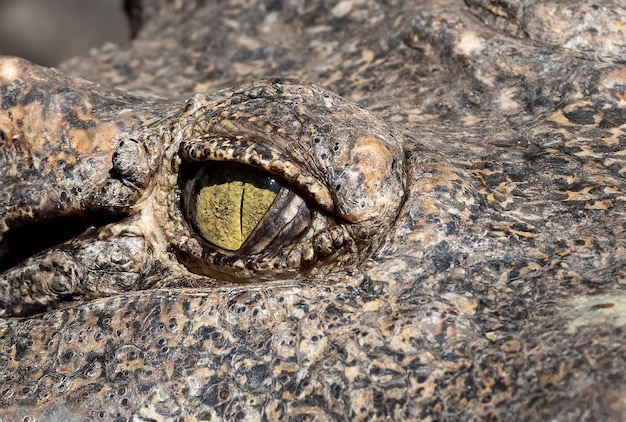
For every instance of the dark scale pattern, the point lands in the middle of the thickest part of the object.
(466, 258)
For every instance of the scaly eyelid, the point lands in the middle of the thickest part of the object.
(212, 148)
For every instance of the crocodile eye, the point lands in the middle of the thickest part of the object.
(226, 203)
(271, 182)
(240, 219)
(234, 206)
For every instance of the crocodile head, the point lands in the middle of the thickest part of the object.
(451, 247)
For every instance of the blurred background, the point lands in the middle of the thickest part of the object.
(48, 31)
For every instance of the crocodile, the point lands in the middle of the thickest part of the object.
(324, 210)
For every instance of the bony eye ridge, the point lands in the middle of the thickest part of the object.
(232, 205)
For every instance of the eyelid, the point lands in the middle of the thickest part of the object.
(289, 217)
(240, 150)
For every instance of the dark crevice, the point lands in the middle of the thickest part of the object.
(26, 241)
(134, 12)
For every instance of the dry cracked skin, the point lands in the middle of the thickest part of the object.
(419, 215)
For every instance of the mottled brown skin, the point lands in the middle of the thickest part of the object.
(484, 277)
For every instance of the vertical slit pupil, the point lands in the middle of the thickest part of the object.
(228, 201)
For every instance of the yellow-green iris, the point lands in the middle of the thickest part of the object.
(231, 204)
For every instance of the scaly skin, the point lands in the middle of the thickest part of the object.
(466, 252)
